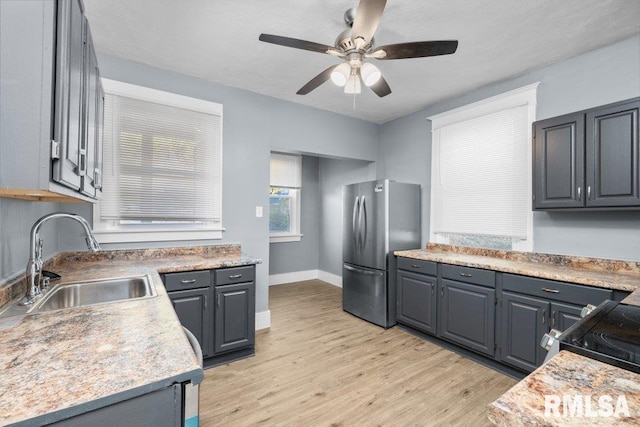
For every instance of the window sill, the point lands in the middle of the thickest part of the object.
(284, 238)
(132, 236)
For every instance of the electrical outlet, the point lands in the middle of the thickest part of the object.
(258, 211)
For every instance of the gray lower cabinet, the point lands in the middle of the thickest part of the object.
(524, 322)
(416, 300)
(467, 315)
(161, 408)
(217, 306)
(500, 315)
(192, 308)
(530, 307)
(588, 159)
(235, 318)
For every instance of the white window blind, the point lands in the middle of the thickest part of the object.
(481, 168)
(161, 162)
(286, 170)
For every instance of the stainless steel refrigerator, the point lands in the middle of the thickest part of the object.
(379, 217)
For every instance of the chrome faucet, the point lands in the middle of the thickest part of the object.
(34, 265)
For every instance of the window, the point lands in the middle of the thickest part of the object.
(162, 167)
(481, 173)
(284, 197)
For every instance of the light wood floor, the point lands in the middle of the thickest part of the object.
(318, 365)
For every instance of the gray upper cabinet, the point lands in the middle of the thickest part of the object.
(612, 155)
(51, 105)
(91, 142)
(589, 159)
(559, 162)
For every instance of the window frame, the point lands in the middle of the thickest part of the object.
(295, 234)
(113, 232)
(526, 95)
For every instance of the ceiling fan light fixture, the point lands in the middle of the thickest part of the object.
(370, 74)
(353, 84)
(340, 74)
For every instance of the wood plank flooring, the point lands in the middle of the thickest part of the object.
(318, 365)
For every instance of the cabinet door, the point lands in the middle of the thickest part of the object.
(234, 317)
(558, 169)
(67, 169)
(524, 322)
(91, 122)
(564, 315)
(192, 308)
(467, 315)
(416, 301)
(612, 156)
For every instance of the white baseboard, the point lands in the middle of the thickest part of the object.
(330, 278)
(301, 276)
(263, 320)
(296, 276)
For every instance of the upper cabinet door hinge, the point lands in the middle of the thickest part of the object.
(55, 149)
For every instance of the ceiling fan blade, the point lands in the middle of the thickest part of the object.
(381, 87)
(316, 81)
(367, 19)
(295, 43)
(416, 49)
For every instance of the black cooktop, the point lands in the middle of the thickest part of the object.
(610, 334)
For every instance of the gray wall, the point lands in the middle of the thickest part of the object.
(253, 125)
(289, 257)
(334, 173)
(595, 78)
(16, 219)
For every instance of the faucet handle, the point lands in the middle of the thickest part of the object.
(44, 285)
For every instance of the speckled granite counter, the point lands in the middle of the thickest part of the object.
(609, 274)
(62, 363)
(566, 376)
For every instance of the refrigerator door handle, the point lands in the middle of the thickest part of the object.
(360, 271)
(363, 225)
(356, 215)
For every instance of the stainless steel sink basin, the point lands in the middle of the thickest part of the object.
(69, 295)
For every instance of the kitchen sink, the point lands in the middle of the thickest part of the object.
(70, 295)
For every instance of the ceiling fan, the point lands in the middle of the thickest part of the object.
(356, 45)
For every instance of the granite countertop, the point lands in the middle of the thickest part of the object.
(569, 376)
(62, 363)
(609, 274)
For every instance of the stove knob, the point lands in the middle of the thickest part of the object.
(586, 310)
(549, 338)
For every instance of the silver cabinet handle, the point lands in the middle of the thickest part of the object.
(415, 266)
(544, 316)
(186, 282)
(442, 291)
(579, 193)
(433, 288)
(218, 300)
(588, 192)
(466, 275)
(553, 291)
(205, 303)
(553, 318)
(357, 270)
(235, 276)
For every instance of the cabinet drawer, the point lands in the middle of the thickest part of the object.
(560, 291)
(226, 276)
(476, 276)
(187, 280)
(418, 266)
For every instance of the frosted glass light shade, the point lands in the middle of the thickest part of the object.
(340, 74)
(353, 84)
(370, 74)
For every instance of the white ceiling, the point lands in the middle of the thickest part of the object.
(217, 40)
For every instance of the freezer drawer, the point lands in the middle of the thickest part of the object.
(365, 294)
